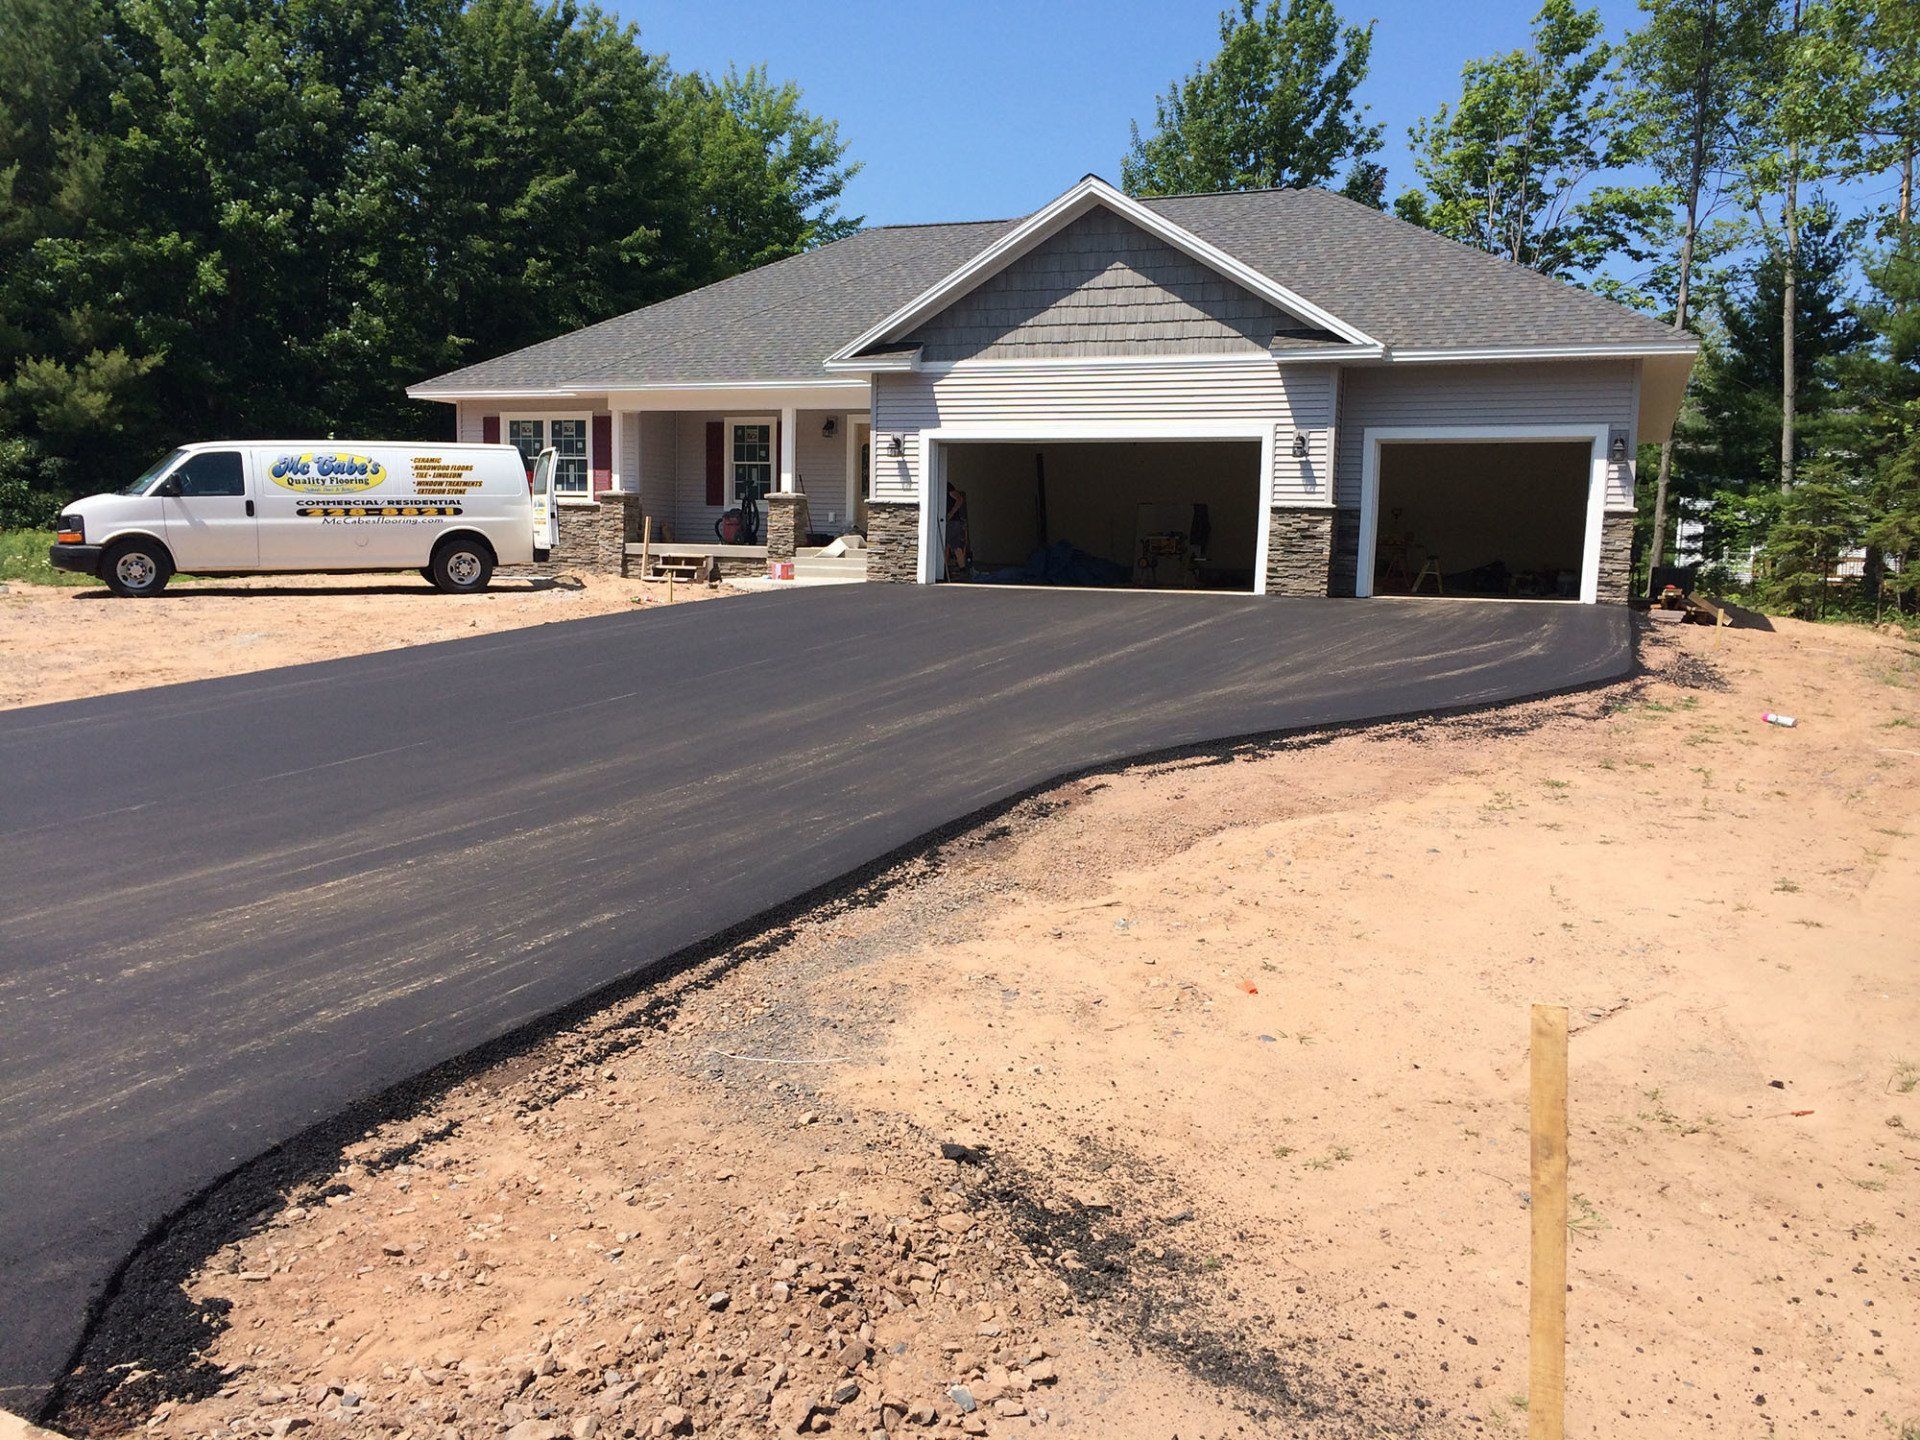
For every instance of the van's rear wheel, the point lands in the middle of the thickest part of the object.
(136, 568)
(461, 566)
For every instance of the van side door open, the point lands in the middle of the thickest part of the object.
(546, 517)
(206, 509)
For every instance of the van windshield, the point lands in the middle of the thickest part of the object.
(152, 473)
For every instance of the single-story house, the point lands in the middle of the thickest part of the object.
(1277, 391)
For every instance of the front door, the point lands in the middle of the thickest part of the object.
(206, 506)
(861, 481)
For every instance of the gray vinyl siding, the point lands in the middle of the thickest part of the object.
(1600, 392)
(1291, 398)
(822, 466)
(658, 464)
(1101, 286)
(472, 412)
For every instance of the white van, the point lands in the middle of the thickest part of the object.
(452, 512)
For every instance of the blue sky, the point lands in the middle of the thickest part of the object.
(975, 111)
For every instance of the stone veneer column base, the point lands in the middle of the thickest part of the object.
(1299, 551)
(1345, 578)
(595, 537)
(789, 519)
(1616, 559)
(893, 541)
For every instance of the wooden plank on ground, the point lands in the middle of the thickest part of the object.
(1547, 1288)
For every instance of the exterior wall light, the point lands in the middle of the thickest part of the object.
(1617, 451)
(1299, 445)
(894, 447)
(830, 428)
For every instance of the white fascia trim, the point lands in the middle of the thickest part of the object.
(1330, 357)
(884, 364)
(1225, 360)
(704, 385)
(1062, 211)
(589, 392)
(1541, 352)
(417, 392)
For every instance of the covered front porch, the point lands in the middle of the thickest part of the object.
(694, 457)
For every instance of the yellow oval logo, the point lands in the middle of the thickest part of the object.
(318, 473)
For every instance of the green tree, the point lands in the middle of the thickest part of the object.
(1811, 527)
(1274, 108)
(767, 174)
(1514, 167)
(1689, 69)
(230, 217)
(1874, 428)
(1726, 448)
(1868, 55)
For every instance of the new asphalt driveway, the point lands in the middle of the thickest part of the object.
(230, 909)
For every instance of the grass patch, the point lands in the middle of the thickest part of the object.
(23, 557)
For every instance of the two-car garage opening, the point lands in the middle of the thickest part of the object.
(1150, 514)
(1482, 518)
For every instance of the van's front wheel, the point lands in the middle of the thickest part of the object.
(461, 566)
(136, 568)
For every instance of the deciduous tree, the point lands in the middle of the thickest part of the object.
(1516, 166)
(1276, 107)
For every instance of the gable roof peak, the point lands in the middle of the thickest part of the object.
(1055, 216)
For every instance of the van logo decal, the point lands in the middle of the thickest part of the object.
(318, 473)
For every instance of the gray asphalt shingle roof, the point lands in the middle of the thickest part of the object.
(1404, 286)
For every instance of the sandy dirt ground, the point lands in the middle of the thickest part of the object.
(58, 643)
(1228, 1053)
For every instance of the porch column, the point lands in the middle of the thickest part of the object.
(614, 471)
(789, 450)
(787, 517)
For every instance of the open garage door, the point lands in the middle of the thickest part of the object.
(1508, 519)
(1152, 514)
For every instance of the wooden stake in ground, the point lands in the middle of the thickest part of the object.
(1547, 1347)
(646, 548)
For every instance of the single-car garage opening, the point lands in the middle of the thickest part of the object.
(1506, 518)
(1153, 514)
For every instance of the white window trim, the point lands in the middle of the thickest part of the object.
(772, 422)
(545, 420)
(933, 445)
(1373, 436)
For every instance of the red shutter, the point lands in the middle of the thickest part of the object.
(602, 454)
(490, 429)
(716, 463)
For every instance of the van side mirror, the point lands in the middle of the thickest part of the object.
(169, 487)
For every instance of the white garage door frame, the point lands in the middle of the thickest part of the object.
(933, 444)
(1377, 435)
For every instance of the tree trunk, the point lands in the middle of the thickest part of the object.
(1790, 300)
(1906, 194)
(1696, 171)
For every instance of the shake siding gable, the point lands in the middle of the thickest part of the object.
(1102, 286)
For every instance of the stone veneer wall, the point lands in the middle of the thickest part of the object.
(1299, 551)
(789, 519)
(1616, 559)
(1345, 578)
(893, 541)
(595, 537)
